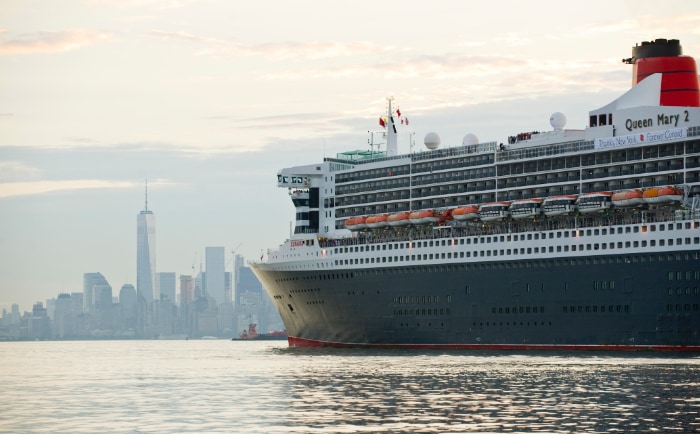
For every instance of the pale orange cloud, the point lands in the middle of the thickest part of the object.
(51, 42)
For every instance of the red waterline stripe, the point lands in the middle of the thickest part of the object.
(310, 343)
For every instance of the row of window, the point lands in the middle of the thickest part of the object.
(331, 276)
(508, 324)
(565, 262)
(686, 291)
(682, 308)
(420, 299)
(521, 251)
(684, 275)
(304, 290)
(595, 309)
(516, 309)
(422, 312)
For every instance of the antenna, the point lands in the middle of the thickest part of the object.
(146, 205)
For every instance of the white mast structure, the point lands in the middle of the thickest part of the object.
(392, 148)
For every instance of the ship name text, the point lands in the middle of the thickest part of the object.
(662, 119)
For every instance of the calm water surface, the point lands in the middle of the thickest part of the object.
(225, 386)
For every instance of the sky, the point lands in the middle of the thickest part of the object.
(208, 99)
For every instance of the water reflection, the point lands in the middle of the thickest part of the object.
(458, 393)
(224, 386)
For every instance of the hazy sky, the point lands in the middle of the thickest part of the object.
(208, 99)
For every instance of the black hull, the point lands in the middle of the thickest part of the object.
(643, 301)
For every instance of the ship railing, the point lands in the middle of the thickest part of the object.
(488, 147)
(545, 151)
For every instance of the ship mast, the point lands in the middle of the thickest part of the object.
(391, 139)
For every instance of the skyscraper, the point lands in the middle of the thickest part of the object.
(145, 253)
(90, 281)
(165, 286)
(214, 279)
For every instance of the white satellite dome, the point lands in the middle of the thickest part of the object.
(432, 141)
(557, 121)
(470, 139)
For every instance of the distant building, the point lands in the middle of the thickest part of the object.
(90, 281)
(77, 300)
(146, 253)
(186, 289)
(128, 309)
(165, 286)
(215, 279)
(252, 304)
(64, 317)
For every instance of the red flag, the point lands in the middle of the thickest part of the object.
(381, 122)
(398, 112)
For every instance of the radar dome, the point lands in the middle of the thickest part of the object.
(432, 141)
(470, 139)
(557, 121)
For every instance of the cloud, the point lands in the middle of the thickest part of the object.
(275, 51)
(51, 42)
(11, 171)
(13, 189)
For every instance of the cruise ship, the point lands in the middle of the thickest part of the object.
(555, 240)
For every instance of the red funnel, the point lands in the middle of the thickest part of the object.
(679, 83)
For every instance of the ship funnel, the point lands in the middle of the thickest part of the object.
(679, 82)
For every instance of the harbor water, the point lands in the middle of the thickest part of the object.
(266, 387)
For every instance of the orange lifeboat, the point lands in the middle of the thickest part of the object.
(399, 219)
(657, 195)
(356, 223)
(463, 213)
(424, 217)
(559, 205)
(525, 208)
(594, 202)
(627, 198)
(377, 221)
(493, 211)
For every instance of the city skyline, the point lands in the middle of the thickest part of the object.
(209, 100)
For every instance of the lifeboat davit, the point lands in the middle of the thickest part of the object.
(525, 208)
(377, 221)
(559, 205)
(594, 202)
(657, 195)
(399, 219)
(356, 223)
(627, 198)
(424, 217)
(493, 211)
(463, 213)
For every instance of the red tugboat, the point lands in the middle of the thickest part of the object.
(252, 334)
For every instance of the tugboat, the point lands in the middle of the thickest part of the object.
(252, 334)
